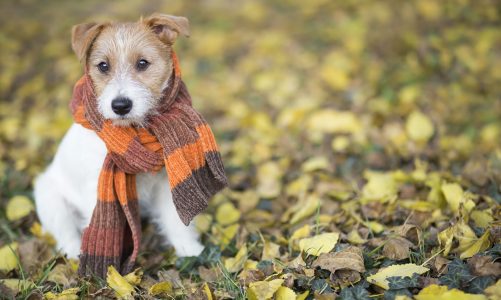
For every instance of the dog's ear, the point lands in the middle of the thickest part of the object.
(168, 27)
(82, 37)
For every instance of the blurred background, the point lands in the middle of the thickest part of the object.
(272, 75)
(305, 97)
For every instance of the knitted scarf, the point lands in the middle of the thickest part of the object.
(177, 138)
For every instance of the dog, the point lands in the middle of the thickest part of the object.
(130, 66)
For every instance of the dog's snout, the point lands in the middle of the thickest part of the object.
(121, 106)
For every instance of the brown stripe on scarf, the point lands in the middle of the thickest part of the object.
(177, 139)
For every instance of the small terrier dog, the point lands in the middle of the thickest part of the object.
(130, 65)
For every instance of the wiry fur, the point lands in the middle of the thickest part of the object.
(66, 192)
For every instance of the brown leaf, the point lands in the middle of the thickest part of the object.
(345, 277)
(440, 264)
(171, 276)
(484, 266)
(397, 248)
(209, 274)
(348, 259)
(33, 254)
(247, 276)
(409, 231)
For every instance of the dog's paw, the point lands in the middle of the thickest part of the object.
(191, 248)
(71, 249)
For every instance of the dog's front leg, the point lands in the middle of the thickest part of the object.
(56, 215)
(183, 238)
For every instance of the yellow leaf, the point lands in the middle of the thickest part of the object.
(478, 246)
(315, 163)
(19, 207)
(374, 226)
(262, 290)
(203, 222)
(439, 292)
(340, 143)
(319, 244)
(453, 195)
(304, 208)
(269, 176)
(207, 291)
(381, 277)
(445, 239)
(494, 291)
(227, 214)
(285, 293)
(223, 235)
(235, 264)
(332, 121)
(303, 295)
(68, 294)
(36, 230)
(300, 233)
(419, 127)
(379, 187)
(482, 218)
(122, 288)
(161, 288)
(355, 238)
(17, 285)
(300, 185)
(134, 277)
(8, 257)
(270, 251)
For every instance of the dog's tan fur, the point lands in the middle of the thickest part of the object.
(122, 45)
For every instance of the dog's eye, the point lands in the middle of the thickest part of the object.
(103, 67)
(142, 64)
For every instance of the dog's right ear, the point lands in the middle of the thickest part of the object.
(82, 37)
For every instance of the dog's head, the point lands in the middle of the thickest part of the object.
(129, 63)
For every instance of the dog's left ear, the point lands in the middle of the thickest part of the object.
(168, 27)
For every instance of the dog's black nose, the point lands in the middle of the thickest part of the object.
(121, 106)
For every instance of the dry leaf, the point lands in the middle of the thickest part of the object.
(350, 258)
(381, 277)
(319, 244)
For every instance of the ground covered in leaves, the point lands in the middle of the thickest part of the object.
(361, 139)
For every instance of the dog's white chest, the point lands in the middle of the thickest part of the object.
(78, 163)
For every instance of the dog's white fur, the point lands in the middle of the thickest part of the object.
(66, 193)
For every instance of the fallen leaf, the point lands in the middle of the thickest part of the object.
(68, 294)
(269, 176)
(350, 258)
(134, 277)
(227, 214)
(397, 248)
(419, 127)
(484, 266)
(285, 293)
(494, 291)
(19, 207)
(438, 292)
(379, 186)
(8, 257)
(123, 289)
(270, 251)
(235, 264)
(262, 290)
(381, 277)
(332, 121)
(319, 244)
(304, 208)
(163, 288)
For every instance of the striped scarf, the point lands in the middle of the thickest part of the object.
(177, 138)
